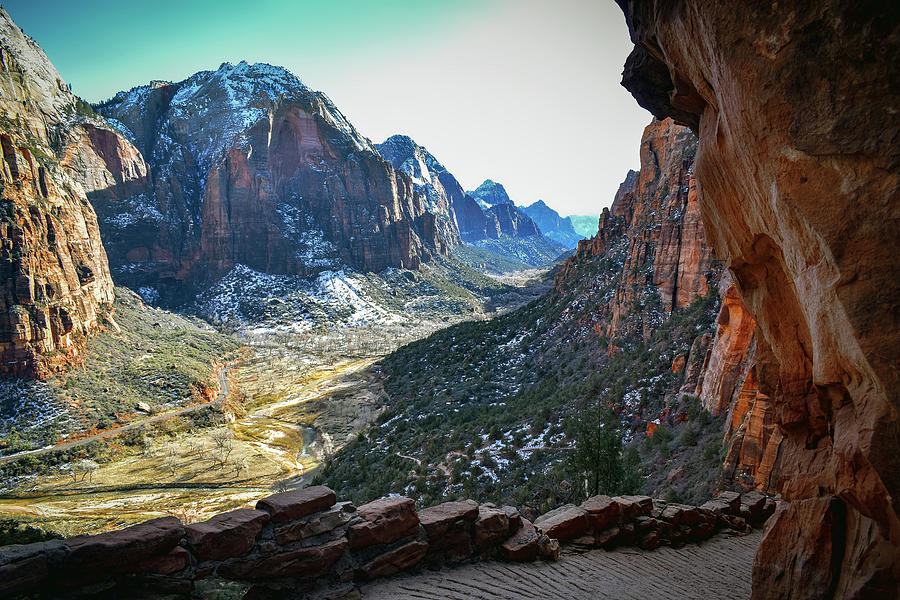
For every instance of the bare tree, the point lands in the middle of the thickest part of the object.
(222, 437)
(222, 453)
(87, 469)
(171, 464)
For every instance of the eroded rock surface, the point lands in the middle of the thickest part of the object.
(797, 174)
(57, 285)
(249, 166)
(665, 261)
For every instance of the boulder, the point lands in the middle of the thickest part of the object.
(632, 507)
(644, 524)
(626, 535)
(732, 499)
(123, 549)
(395, 560)
(753, 506)
(548, 547)
(608, 537)
(523, 545)
(438, 520)
(716, 506)
(602, 511)
(384, 521)
(681, 514)
(173, 561)
(491, 527)
(563, 523)
(515, 519)
(304, 562)
(26, 567)
(226, 535)
(650, 541)
(289, 506)
(316, 523)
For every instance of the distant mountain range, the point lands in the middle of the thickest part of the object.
(485, 218)
(553, 225)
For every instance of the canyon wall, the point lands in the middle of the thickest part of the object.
(249, 166)
(797, 174)
(665, 262)
(57, 283)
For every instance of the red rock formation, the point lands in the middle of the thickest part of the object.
(727, 364)
(730, 384)
(57, 282)
(249, 166)
(797, 169)
(654, 226)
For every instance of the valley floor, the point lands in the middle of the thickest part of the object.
(182, 476)
(719, 568)
(288, 399)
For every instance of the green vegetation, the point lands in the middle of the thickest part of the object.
(488, 260)
(510, 254)
(598, 455)
(84, 108)
(158, 358)
(155, 358)
(496, 410)
(14, 532)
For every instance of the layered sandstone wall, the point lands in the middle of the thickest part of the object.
(55, 273)
(797, 173)
(654, 227)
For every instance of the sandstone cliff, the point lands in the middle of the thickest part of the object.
(56, 279)
(797, 173)
(249, 166)
(654, 229)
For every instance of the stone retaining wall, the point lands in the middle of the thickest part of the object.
(305, 544)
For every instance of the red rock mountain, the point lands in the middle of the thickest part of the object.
(57, 283)
(799, 190)
(654, 224)
(654, 229)
(248, 165)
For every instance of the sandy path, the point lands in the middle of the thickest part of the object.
(719, 568)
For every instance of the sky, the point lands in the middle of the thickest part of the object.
(524, 92)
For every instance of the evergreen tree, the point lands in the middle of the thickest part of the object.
(598, 453)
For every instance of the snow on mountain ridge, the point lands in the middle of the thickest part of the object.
(227, 102)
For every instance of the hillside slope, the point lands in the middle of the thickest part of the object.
(494, 409)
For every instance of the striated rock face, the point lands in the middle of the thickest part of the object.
(505, 219)
(730, 384)
(438, 187)
(248, 165)
(797, 173)
(665, 260)
(56, 279)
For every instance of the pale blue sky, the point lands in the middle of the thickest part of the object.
(525, 92)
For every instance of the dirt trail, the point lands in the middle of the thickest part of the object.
(719, 568)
